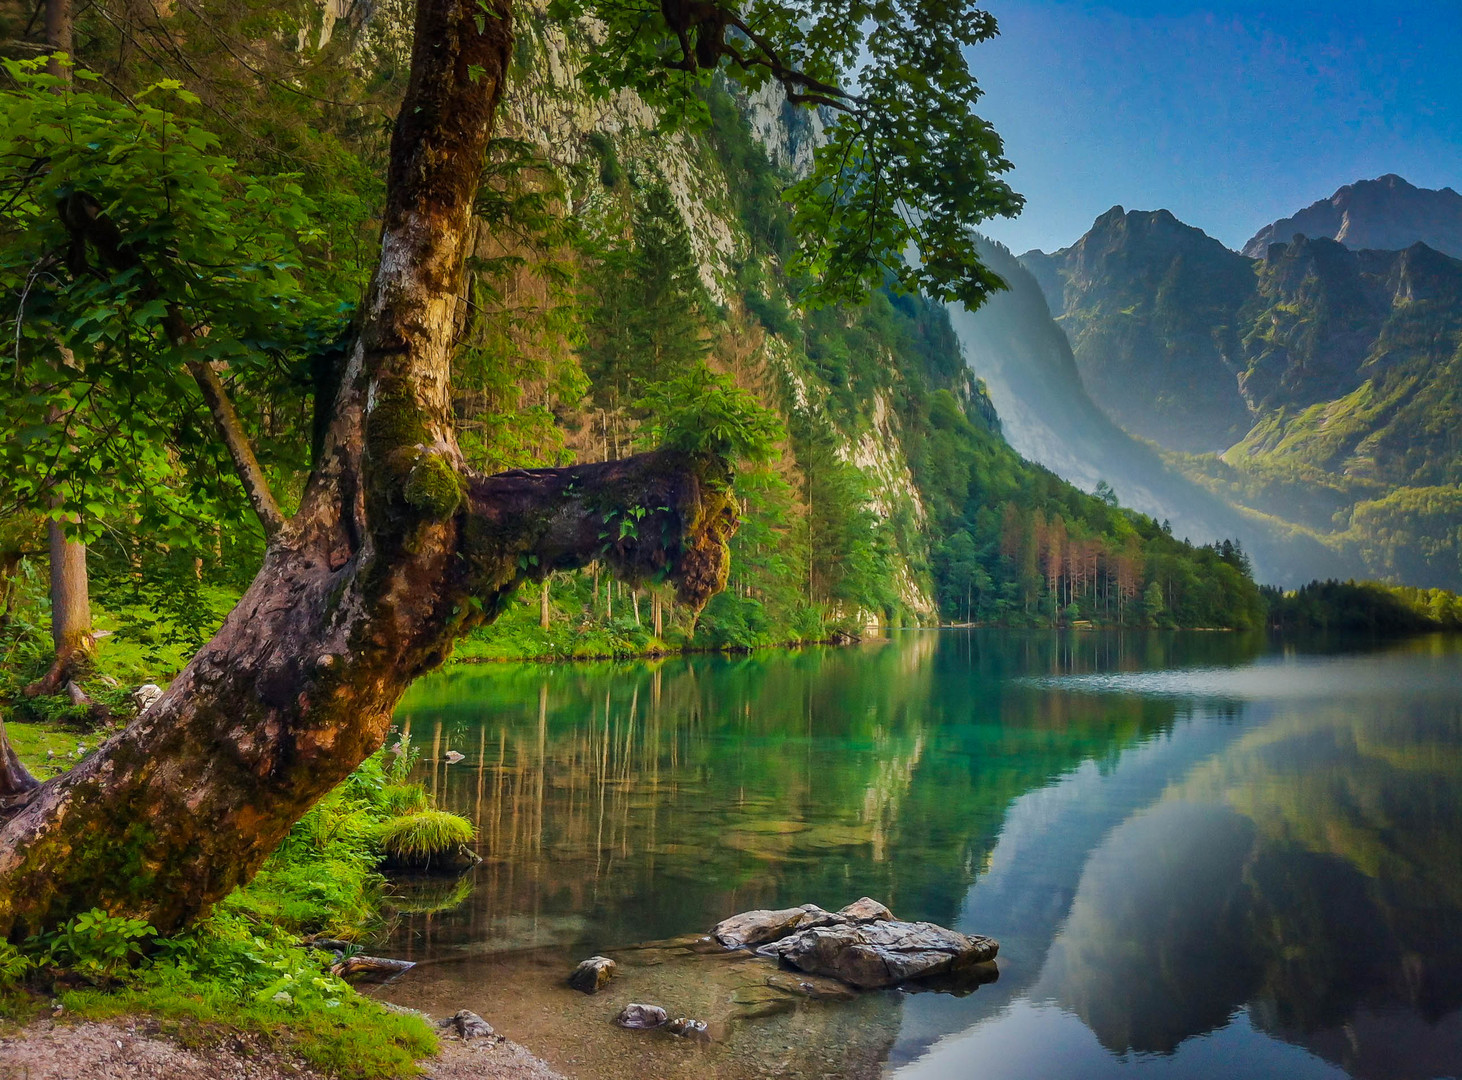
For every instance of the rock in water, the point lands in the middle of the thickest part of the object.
(881, 954)
(685, 1026)
(642, 1017)
(752, 928)
(812, 986)
(866, 909)
(468, 1025)
(593, 974)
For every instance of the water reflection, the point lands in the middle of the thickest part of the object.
(1196, 852)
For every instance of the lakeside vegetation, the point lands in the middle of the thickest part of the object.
(248, 966)
(1363, 607)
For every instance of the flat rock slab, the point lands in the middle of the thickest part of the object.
(881, 954)
(639, 1017)
(753, 928)
(811, 986)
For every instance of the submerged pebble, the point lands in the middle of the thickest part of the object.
(638, 1017)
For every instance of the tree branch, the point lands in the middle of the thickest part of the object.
(648, 517)
(86, 223)
(240, 449)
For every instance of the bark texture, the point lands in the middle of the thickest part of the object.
(59, 26)
(70, 596)
(395, 552)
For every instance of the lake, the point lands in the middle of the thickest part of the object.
(1204, 855)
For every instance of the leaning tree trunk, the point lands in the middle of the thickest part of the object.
(71, 638)
(395, 551)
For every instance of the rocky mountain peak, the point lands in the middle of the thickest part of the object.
(1386, 214)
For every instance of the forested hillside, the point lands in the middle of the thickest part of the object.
(629, 287)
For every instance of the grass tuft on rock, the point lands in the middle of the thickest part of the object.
(424, 835)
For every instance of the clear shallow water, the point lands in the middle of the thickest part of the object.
(1202, 858)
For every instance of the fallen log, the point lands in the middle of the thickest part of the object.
(354, 966)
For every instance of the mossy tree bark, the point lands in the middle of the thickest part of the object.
(395, 551)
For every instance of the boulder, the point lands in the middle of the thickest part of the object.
(880, 954)
(144, 696)
(593, 974)
(642, 1017)
(753, 928)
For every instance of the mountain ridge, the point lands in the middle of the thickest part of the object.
(1142, 284)
(1385, 214)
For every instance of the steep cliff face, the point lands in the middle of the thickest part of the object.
(790, 134)
(1326, 319)
(1386, 214)
(579, 136)
(1149, 306)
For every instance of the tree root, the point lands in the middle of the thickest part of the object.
(17, 785)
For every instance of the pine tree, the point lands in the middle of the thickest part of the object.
(649, 314)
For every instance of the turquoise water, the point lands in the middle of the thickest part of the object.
(1203, 857)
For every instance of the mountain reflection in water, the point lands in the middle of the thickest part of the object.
(1202, 857)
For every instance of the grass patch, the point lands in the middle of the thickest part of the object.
(226, 976)
(46, 749)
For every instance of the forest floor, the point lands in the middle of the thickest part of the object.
(136, 1049)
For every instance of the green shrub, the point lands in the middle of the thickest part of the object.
(94, 944)
(14, 966)
(404, 799)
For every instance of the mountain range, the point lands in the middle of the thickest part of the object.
(1023, 357)
(1310, 386)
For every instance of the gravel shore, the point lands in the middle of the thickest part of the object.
(134, 1050)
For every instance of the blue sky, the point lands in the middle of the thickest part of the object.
(1229, 113)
